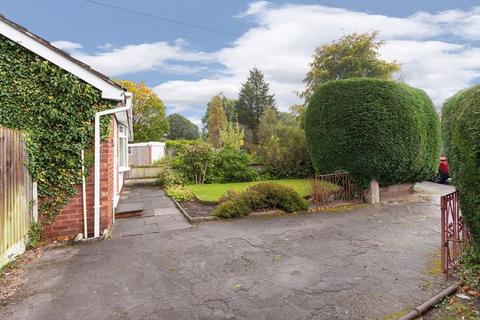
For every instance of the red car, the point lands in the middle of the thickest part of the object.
(442, 175)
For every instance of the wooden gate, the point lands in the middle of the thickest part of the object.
(15, 192)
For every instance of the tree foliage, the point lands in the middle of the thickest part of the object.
(253, 100)
(216, 121)
(374, 129)
(181, 128)
(354, 55)
(282, 145)
(232, 136)
(55, 110)
(149, 120)
(461, 137)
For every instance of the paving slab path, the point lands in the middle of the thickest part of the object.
(367, 262)
(159, 212)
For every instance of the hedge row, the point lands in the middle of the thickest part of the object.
(461, 136)
(374, 129)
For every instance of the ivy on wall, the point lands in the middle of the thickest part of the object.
(55, 110)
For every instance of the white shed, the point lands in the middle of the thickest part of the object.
(145, 153)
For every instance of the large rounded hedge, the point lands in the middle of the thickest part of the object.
(461, 137)
(374, 129)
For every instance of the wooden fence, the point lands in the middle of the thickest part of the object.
(15, 193)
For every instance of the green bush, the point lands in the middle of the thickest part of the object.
(230, 165)
(261, 196)
(374, 129)
(461, 137)
(34, 235)
(179, 193)
(173, 147)
(168, 174)
(195, 162)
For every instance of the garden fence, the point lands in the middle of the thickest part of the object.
(15, 191)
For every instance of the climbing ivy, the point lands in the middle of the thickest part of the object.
(55, 110)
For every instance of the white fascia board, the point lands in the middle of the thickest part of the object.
(109, 91)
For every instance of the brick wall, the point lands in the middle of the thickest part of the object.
(69, 222)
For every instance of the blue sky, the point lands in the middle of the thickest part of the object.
(437, 42)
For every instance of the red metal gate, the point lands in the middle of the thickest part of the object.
(454, 233)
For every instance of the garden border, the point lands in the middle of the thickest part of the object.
(190, 218)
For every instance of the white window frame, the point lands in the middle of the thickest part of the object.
(122, 148)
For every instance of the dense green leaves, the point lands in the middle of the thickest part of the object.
(262, 196)
(181, 128)
(461, 137)
(375, 129)
(55, 109)
(253, 100)
(353, 55)
(282, 145)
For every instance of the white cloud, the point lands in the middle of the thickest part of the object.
(281, 45)
(67, 45)
(163, 56)
(285, 37)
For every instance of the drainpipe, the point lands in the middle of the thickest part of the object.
(84, 198)
(96, 205)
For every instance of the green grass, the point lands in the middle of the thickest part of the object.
(213, 192)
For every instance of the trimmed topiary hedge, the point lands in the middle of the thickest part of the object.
(461, 137)
(374, 129)
(261, 196)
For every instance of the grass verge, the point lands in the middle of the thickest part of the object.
(213, 192)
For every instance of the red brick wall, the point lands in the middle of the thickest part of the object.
(69, 222)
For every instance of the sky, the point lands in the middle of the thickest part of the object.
(437, 42)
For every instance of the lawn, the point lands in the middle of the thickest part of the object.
(213, 192)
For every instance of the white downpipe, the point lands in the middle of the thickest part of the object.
(35, 201)
(84, 198)
(96, 204)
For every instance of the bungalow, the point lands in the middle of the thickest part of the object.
(91, 210)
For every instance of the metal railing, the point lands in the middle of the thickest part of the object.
(335, 187)
(455, 236)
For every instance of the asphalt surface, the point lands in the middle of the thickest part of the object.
(365, 262)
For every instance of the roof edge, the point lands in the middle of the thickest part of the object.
(15, 32)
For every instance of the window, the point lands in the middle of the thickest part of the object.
(122, 147)
(129, 151)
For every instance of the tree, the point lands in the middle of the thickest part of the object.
(373, 129)
(282, 145)
(149, 120)
(354, 55)
(232, 136)
(181, 128)
(216, 121)
(253, 100)
(229, 108)
(461, 138)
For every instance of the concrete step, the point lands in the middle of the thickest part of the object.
(126, 210)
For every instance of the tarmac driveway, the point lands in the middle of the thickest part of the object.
(363, 263)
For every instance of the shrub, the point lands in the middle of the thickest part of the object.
(261, 196)
(461, 137)
(34, 235)
(169, 175)
(173, 147)
(230, 165)
(195, 162)
(374, 129)
(283, 148)
(179, 193)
